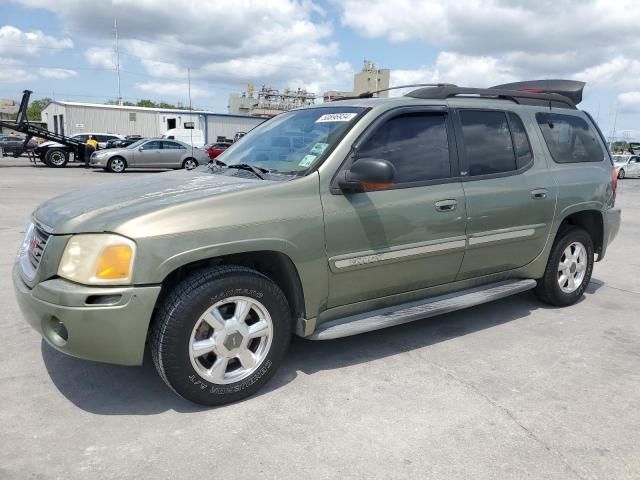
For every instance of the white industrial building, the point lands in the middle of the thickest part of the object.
(69, 118)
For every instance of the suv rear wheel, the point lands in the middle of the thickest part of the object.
(568, 269)
(221, 334)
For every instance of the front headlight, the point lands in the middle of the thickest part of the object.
(98, 259)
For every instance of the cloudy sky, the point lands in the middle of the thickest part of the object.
(65, 48)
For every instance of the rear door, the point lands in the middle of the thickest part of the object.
(172, 153)
(510, 194)
(404, 236)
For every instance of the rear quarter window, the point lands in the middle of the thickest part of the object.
(570, 139)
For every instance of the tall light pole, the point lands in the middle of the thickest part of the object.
(115, 28)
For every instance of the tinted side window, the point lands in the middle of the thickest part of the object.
(171, 146)
(569, 138)
(416, 144)
(82, 138)
(520, 141)
(153, 145)
(487, 142)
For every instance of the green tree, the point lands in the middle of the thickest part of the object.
(34, 110)
(146, 103)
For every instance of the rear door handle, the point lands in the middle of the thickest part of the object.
(539, 193)
(446, 205)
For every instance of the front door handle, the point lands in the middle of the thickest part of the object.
(446, 205)
(539, 193)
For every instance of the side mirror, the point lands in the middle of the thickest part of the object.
(367, 174)
(141, 148)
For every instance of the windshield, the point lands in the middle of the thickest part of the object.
(620, 158)
(292, 142)
(136, 144)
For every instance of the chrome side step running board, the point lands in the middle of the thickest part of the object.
(409, 312)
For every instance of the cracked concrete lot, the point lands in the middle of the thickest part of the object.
(508, 390)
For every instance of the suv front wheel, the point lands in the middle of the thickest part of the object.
(221, 334)
(568, 269)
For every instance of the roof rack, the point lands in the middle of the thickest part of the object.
(371, 94)
(520, 97)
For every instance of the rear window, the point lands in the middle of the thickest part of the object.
(488, 145)
(569, 138)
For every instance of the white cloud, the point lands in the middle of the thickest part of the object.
(451, 67)
(57, 73)
(174, 89)
(101, 57)
(15, 74)
(497, 39)
(619, 72)
(17, 43)
(629, 102)
(224, 42)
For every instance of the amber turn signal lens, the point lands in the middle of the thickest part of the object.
(114, 262)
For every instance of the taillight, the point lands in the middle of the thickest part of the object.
(614, 183)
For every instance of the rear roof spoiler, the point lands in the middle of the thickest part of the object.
(571, 89)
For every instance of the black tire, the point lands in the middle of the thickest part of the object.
(181, 310)
(548, 289)
(117, 165)
(56, 158)
(621, 173)
(187, 161)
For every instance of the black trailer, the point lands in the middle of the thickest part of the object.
(54, 157)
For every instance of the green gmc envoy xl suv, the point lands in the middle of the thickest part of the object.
(326, 221)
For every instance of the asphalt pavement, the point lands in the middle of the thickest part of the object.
(508, 390)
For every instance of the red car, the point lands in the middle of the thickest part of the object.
(216, 149)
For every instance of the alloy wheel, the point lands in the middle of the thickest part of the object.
(117, 165)
(230, 340)
(572, 267)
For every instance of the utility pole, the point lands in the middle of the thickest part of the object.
(189, 86)
(115, 27)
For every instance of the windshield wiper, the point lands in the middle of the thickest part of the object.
(258, 171)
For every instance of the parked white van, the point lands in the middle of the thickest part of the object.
(189, 136)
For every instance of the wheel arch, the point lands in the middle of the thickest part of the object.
(275, 265)
(590, 220)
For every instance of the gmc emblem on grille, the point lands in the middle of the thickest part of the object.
(33, 243)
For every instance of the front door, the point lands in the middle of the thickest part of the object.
(405, 236)
(148, 155)
(509, 191)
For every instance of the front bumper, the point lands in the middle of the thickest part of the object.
(97, 161)
(105, 324)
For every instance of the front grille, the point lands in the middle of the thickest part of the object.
(37, 243)
(32, 250)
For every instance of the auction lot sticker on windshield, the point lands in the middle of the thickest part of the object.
(307, 160)
(318, 148)
(336, 117)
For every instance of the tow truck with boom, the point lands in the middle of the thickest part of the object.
(54, 157)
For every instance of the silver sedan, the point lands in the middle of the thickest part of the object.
(149, 153)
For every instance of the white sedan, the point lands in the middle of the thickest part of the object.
(627, 165)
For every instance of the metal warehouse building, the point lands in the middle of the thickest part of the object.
(69, 118)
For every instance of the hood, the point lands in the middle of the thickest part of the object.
(104, 207)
